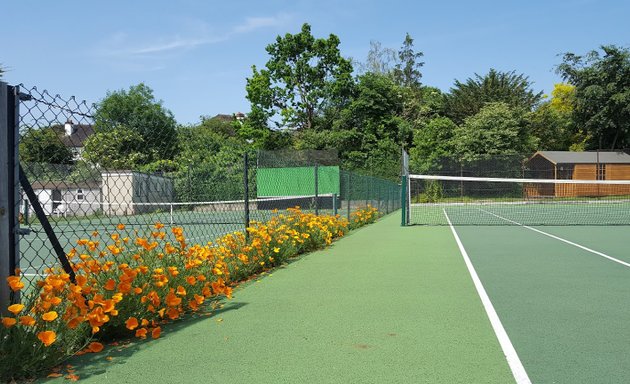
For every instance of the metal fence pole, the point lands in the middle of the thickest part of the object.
(348, 197)
(9, 192)
(317, 189)
(403, 197)
(246, 184)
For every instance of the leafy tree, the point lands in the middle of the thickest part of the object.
(44, 146)
(119, 148)
(379, 60)
(2, 71)
(137, 111)
(496, 130)
(468, 98)
(551, 123)
(602, 95)
(433, 141)
(407, 69)
(302, 76)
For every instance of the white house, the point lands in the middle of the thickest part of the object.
(75, 136)
(67, 198)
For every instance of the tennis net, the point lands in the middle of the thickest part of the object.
(436, 200)
(182, 213)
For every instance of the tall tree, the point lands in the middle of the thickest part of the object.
(433, 141)
(468, 98)
(602, 95)
(496, 130)
(303, 75)
(379, 59)
(551, 123)
(407, 70)
(138, 111)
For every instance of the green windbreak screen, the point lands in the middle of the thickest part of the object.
(296, 181)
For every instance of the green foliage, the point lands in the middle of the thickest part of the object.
(302, 75)
(119, 148)
(137, 111)
(407, 71)
(602, 95)
(496, 130)
(432, 141)
(44, 146)
(468, 98)
(433, 192)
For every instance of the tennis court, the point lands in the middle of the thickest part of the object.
(553, 274)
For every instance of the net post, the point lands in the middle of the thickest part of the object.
(403, 198)
(172, 217)
(334, 202)
(316, 189)
(246, 189)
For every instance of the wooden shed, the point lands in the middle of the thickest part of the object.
(566, 165)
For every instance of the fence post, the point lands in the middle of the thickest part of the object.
(349, 197)
(403, 198)
(316, 189)
(246, 184)
(9, 192)
(334, 202)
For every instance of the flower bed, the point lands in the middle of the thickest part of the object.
(131, 287)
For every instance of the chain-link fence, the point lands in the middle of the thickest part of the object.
(93, 175)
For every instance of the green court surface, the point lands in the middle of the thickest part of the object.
(564, 308)
(384, 305)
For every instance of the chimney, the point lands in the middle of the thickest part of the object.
(69, 128)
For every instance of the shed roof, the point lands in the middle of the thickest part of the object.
(568, 157)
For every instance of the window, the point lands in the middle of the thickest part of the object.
(601, 171)
(80, 196)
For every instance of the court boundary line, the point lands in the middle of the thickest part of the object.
(516, 366)
(601, 254)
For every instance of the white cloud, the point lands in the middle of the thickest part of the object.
(119, 44)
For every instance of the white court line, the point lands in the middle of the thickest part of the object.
(559, 239)
(518, 371)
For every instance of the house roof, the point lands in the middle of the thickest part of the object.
(80, 132)
(568, 157)
(64, 185)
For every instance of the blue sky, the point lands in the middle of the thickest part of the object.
(197, 54)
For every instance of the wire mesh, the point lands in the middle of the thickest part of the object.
(94, 173)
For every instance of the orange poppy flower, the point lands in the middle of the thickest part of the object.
(172, 300)
(15, 308)
(141, 333)
(156, 332)
(191, 280)
(15, 283)
(50, 316)
(8, 322)
(47, 337)
(110, 285)
(131, 323)
(27, 321)
(181, 291)
(144, 322)
(95, 347)
(120, 227)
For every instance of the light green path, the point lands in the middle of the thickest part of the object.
(566, 310)
(384, 305)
